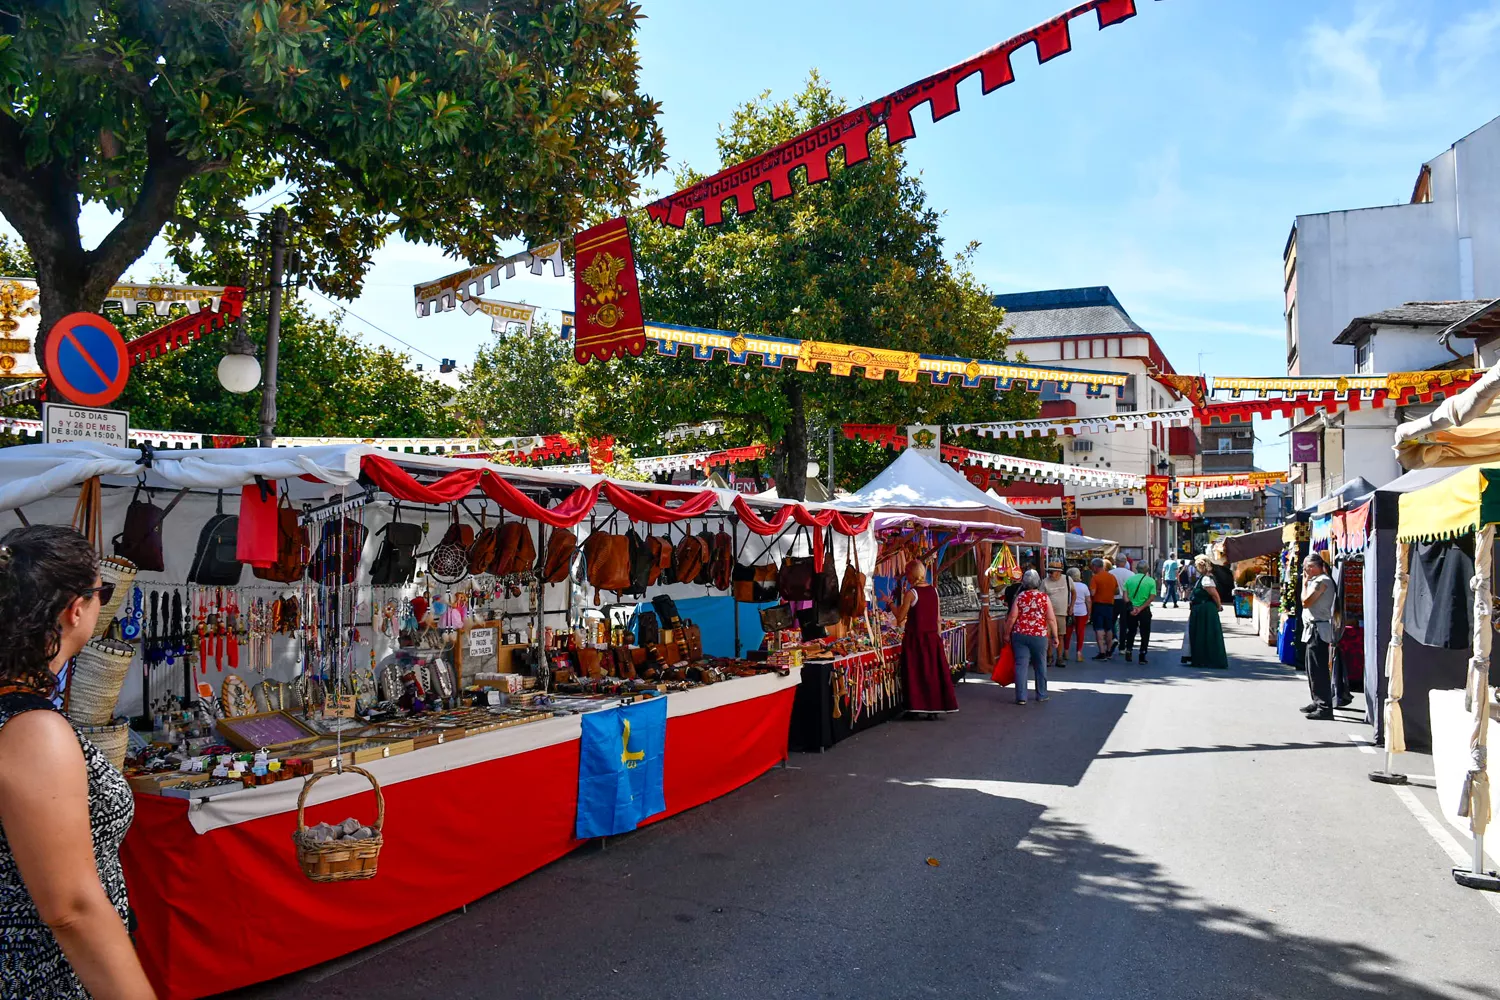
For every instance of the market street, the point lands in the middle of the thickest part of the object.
(1150, 832)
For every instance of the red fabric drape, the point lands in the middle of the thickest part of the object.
(564, 515)
(641, 508)
(844, 524)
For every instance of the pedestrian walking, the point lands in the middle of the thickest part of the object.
(1102, 590)
(1203, 643)
(924, 663)
(1169, 581)
(1318, 594)
(1059, 590)
(1140, 592)
(1029, 628)
(1121, 574)
(64, 809)
(1078, 618)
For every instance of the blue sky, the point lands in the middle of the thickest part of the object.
(1165, 157)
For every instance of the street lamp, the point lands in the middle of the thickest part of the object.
(239, 371)
(1164, 468)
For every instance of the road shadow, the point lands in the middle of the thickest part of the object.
(854, 890)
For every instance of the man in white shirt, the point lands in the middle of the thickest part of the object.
(1122, 573)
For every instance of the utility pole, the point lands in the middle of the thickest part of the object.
(273, 330)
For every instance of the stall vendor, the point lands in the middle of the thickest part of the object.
(929, 684)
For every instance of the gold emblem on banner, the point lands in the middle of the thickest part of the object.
(843, 359)
(600, 275)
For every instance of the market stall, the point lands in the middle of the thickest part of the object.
(442, 624)
(848, 687)
(1444, 597)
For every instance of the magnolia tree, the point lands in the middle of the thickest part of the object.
(450, 122)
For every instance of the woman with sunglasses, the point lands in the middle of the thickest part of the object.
(63, 808)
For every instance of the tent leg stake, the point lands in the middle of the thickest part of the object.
(1388, 776)
(1476, 877)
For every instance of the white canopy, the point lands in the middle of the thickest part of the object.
(917, 484)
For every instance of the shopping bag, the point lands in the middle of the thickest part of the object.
(1005, 666)
(1286, 644)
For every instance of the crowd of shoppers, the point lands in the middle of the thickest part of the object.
(1049, 617)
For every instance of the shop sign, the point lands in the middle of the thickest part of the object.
(925, 438)
(64, 424)
(482, 642)
(1306, 446)
(1157, 490)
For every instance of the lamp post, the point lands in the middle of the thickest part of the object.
(238, 370)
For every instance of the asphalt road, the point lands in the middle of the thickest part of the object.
(1150, 832)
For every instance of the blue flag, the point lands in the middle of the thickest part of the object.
(620, 767)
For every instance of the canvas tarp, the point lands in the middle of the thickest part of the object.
(917, 484)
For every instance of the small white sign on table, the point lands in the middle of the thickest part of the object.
(65, 424)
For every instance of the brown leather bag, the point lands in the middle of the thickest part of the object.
(482, 552)
(560, 548)
(662, 571)
(722, 560)
(291, 547)
(689, 558)
(608, 561)
(692, 643)
(515, 552)
(852, 594)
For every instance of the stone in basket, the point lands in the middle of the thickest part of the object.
(344, 851)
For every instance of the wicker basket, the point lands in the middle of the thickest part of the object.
(111, 740)
(340, 860)
(96, 678)
(121, 572)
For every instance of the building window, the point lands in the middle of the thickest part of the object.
(1114, 348)
(1225, 444)
(1070, 350)
(1364, 357)
(1098, 349)
(1291, 332)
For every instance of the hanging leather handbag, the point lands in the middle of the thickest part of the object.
(662, 573)
(826, 590)
(742, 583)
(691, 643)
(705, 577)
(140, 540)
(560, 546)
(608, 559)
(449, 561)
(482, 553)
(516, 552)
(291, 547)
(214, 562)
(852, 593)
(641, 563)
(688, 559)
(795, 580)
(722, 560)
(395, 562)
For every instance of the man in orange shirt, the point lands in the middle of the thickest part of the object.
(1103, 588)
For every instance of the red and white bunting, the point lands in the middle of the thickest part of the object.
(1175, 417)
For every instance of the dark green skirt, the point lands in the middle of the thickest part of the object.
(1206, 637)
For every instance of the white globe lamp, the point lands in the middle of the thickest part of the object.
(239, 372)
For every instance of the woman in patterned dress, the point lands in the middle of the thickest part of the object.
(63, 808)
(1030, 628)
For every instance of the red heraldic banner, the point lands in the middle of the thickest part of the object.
(606, 297)
(1157, 489)
(1070, 513)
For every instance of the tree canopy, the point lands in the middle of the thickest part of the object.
(857, 259)
(453, 123)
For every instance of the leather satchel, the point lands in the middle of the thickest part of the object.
(689, 558)
(705, 577)
(140, 541)
(291, 548)
(482, 552)
(648, 628)
(661, 551)
(692, 643)
(826, 590)
(795, 580)
(641, 563)
(608, 560)
(852, 594)
(560, 548)
(722, 561)
(516, 552)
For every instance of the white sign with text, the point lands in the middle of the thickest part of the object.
(65, 424)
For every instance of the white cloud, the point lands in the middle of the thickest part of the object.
(1342, 71)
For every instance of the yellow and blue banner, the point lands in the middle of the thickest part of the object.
(620, 768)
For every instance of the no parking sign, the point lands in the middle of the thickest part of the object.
(85, 359)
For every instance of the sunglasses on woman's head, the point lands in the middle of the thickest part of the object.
(104, 590)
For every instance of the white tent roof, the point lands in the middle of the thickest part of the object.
(915, 480)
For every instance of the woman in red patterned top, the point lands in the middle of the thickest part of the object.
(1031, 626)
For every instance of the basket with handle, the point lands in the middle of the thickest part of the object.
(121, 572)
(112, 741)
(340, 860)
(94, 682)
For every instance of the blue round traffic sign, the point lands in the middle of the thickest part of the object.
(86, 359)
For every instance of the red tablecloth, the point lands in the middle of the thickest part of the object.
(229, 907)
